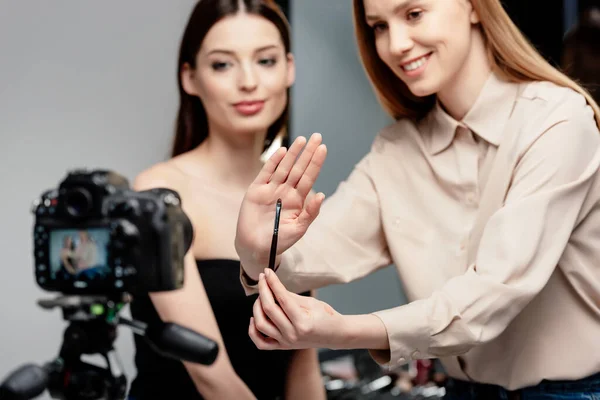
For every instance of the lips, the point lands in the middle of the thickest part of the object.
(415, 63)
(249, 107)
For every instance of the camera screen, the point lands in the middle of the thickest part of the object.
(79, 254)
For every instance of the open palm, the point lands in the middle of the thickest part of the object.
(288, 175)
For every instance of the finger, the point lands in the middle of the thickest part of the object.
(270, 166)
(311, 173)
(304, 159)
(262, 322)
(312, 209)
(283, 296)
(274, 310)
(259, 340)
(285, 166)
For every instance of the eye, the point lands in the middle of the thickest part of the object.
(268, 61)
(220, 66)
(379, 27)
(414, 15)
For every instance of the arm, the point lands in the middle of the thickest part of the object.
(346, 242)
(65, 260)
(519, 250)
(304, 379)
(191, 308)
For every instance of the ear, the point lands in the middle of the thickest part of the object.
(187, 80)
(291, 74)
(473, 15)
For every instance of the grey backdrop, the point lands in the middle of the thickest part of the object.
(82, 83)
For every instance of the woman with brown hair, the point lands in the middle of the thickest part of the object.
(234, 72)
(484, 194)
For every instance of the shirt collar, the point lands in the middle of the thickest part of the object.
(486, 118)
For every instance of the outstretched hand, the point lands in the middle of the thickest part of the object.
(288, 175)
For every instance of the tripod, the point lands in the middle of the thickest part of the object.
(92, 330)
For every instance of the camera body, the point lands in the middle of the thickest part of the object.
(93, 235)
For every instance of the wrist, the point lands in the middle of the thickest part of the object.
(364, 331)
(252, 270)
(250, 265)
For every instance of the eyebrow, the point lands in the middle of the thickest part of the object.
(402, 5)
(224, 51)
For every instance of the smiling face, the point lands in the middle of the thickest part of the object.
(242, 74)
(426, 43)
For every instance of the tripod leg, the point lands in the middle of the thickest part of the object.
(117, 389)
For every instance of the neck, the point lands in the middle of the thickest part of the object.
(233, 161)
(463, 89)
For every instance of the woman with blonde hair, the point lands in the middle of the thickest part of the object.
(484, 194)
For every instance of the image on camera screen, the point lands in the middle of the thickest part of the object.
(79, 254)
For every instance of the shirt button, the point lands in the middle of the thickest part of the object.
(401, 360)
(415, 355)
(462, 246)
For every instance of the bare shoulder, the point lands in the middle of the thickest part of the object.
(164, 174)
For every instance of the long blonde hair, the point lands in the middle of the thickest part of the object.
(511, 55)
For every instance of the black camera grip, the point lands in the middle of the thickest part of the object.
(178, 342)
(27, 382)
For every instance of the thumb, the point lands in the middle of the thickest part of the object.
(312, 209)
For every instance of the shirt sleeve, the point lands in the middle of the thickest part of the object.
(519, 250)
(344, 243)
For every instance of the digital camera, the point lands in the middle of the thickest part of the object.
(93, 235)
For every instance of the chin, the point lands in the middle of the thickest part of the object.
(250, 127)
(423, 89)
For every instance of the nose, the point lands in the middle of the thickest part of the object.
(248, 80)
(400, 41)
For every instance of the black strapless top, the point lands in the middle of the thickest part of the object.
(264, 372)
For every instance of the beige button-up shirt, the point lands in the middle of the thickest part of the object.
(498, 248)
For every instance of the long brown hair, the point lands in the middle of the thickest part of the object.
(512, 56)
(191, 127)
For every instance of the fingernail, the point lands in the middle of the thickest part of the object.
(268, 272)
(261, 276)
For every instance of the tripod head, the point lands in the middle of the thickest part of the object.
(92, 330)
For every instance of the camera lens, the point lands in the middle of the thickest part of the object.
(78, 202)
